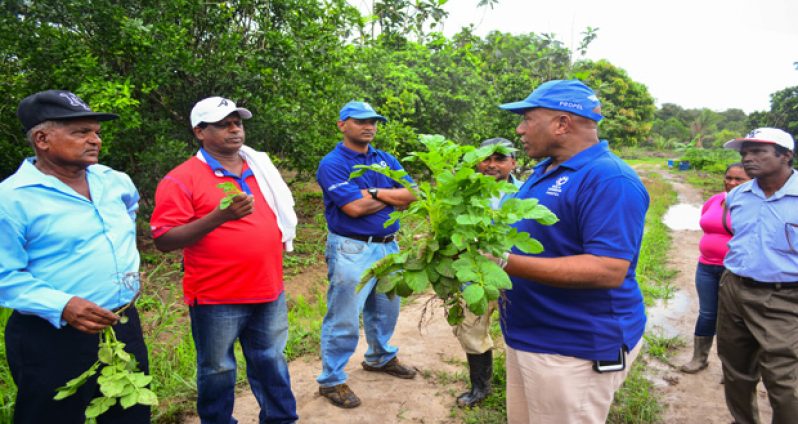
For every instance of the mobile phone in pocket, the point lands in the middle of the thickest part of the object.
(612, 365)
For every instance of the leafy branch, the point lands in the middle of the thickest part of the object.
(456, 226)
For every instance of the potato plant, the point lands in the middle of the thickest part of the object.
(119, 380)
(457, 227)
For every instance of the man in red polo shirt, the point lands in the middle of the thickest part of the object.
(233, 281)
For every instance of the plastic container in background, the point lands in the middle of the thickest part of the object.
(670, 163)
(684, 165)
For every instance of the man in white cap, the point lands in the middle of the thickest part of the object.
(758, 294)
(232, 252)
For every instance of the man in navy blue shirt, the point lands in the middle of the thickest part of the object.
(356, 211)
(574, 317)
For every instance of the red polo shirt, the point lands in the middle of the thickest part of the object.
(238, 262)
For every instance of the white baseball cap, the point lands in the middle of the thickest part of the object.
(214, 109)
(764, 135)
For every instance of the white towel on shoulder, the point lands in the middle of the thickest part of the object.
(274, 190)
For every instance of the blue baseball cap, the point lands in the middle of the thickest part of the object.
(566, 95)
(359, 110)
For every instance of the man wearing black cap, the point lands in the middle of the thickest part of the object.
(474, 332)
(758, 293)
(575, 316)
(68, 259)
(356, 211)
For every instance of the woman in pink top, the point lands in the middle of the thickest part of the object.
(710, 266)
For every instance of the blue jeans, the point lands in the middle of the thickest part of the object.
(706, 284)
(262, 330)
(347, 259)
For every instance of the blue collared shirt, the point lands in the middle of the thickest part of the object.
(56, 244)
(601, 204)
(765, 242)
(339, 190)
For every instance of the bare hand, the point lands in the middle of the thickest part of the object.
(241, 206)
(87, 316)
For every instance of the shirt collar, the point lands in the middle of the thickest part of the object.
(790, 187)
(349, 153)
(29, 175)
(578, 160)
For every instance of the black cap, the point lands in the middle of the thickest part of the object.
(55, 105)
(503, 141)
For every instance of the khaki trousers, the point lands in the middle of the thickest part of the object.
(474, 332)
(557, 389)
(758, 336)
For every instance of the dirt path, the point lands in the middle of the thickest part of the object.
(435, 352)
(696, 398)
(386, 399)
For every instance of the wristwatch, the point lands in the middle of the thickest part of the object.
(373, 192)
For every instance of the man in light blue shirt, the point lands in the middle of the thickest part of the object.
(68, 258)
(758, 294)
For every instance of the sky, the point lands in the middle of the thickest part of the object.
(697, 53)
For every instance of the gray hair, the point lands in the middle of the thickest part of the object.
(42, 126)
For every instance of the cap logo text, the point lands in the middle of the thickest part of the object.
(74, 100)
(571, 105)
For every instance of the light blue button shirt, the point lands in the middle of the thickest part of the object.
(56, 244)
(765, 242)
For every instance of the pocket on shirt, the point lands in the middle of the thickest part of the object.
(786, 240)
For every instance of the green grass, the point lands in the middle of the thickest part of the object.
(8, 391)
(653, 274)
(659, 346)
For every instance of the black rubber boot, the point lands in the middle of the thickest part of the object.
(480, 369)
(701, 347)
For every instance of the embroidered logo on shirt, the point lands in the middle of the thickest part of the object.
(556, 188)
(334, 186)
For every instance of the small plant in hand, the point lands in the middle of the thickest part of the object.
(230, 192)
(457, 227)
(120, 379)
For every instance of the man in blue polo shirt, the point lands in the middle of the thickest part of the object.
(758, 294)
(574, 317)
(356, 211)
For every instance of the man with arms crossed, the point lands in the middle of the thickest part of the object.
(574, 317)
(758, 294)
(233, 281)
(356, 211)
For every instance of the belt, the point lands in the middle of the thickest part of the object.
(371, 239)
(750, 282)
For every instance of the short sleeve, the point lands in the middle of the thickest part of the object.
(173, 206)
(333, 178)
(612, 217)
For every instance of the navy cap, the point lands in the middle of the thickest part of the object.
(55, 105)
(566, 95)
(359, 110)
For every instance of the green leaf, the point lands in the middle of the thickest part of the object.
(106, 354)
(473, 293)
(491, 292)
(464, 270)
(479, 307)
(139, 379)
(388, 282)
(129, 400)
(527, 244)
(416, 280)
(113, 388)
(147, 397)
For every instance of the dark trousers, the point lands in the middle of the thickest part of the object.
(757, 337)
(42, 358)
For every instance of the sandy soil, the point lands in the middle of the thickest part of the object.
(434, 351)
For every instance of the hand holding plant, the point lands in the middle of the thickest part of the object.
(457, 224)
